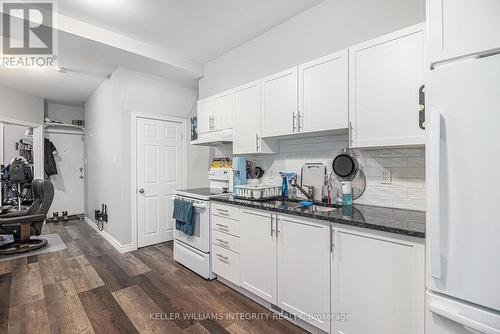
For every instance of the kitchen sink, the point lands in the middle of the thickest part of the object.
(291, 204)
(314, 208)
(319, 208)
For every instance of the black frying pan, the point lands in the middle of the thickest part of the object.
(345, 165)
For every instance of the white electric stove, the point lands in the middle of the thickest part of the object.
(194, 251)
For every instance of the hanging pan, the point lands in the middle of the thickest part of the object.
(345, 165)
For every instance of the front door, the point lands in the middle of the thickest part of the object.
(160, 172)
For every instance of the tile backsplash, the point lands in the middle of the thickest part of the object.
(407, 165)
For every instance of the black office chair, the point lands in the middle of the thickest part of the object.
(23, 224)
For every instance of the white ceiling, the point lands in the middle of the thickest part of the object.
(199, 30)
(166, 38)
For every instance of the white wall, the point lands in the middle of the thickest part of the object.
(328, 27)
(64, 113)
(198, 161)
(17, 105)
(108, 137)
(11, 135)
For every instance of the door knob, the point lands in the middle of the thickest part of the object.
(141, 191)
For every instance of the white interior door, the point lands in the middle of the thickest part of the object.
(69, 181)
(160, 171)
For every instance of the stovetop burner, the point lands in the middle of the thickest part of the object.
(201, 193)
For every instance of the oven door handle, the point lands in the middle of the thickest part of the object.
(195, 205)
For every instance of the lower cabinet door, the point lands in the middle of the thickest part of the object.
(378, 283)
(304, 270)
(258, 254)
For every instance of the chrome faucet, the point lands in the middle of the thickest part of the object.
(309, 193)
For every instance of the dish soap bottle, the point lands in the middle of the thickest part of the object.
(346, 193)
(284, 186)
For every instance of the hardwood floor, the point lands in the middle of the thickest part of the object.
(91, 288)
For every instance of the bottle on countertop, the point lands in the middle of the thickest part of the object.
(346, 193)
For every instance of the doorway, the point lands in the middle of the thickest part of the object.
(160, 170)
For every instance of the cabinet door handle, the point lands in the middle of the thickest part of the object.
(213, 122)
(224, 258)
(298, 121)
(349, 133)
(222, 226)
(272, 229)
(277, 228)
(293, 122)
(223, 241)
(331, 241)
(257, 142)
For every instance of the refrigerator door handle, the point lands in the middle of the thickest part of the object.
(467, 323)
(434, 200)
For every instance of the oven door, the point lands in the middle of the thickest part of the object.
(201, 236)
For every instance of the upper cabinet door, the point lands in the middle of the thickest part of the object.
(323, 93)
(205, 114)
(385, 75)
(246, 125)
(280, 104)
(223, 114)
(462, 27)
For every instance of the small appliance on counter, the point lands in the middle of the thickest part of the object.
(239, 173)
(312, 177)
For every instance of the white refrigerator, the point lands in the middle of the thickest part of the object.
(463, 180)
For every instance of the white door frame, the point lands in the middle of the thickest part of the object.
(133, 167)
(38, 144)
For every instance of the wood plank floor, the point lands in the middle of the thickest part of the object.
(91, 288)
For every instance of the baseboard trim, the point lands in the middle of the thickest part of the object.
(118, 246)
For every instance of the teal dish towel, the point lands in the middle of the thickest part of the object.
(183, 215)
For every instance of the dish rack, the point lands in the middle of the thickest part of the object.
(258, 192)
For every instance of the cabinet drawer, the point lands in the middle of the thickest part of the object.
(225, 240)
(226, 264)
(227, 211)
(226, 225)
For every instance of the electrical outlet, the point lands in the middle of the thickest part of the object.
(386, 176)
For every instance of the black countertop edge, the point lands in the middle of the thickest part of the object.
(390, 220)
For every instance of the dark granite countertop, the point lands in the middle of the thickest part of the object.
(398, 221)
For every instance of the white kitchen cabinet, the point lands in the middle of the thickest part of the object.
(304, 269)
(216, 112)
(247, 137)
(385, 75)
(258, 253)
(223, 113)
(206, 110)
(460, 28)
(378, 282)
(280, 104)
(323, 93)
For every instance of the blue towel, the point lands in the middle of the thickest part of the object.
(183, 215)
